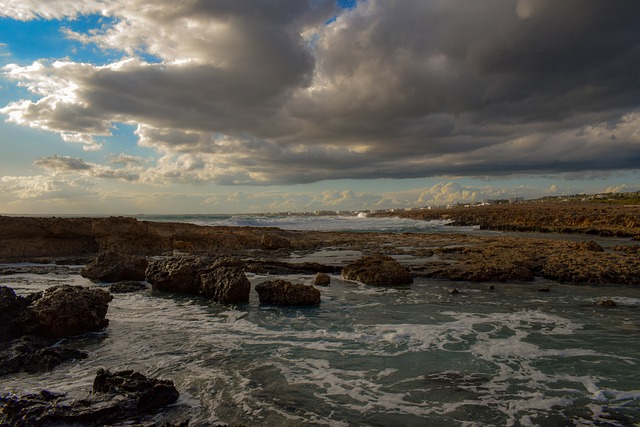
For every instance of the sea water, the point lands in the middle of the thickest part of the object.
(415, 356)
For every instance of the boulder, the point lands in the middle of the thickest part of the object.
(125, 398)
(322, 279)
(66, 310)
(177, 274)
(281, 292)
(379, 270)
(114, 267)
(226, 285)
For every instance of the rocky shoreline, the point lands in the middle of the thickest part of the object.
(212, 262)
(599, 219)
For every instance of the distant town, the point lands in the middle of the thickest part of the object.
(627, 198)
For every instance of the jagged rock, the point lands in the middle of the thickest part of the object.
(273, 242)
(380, 270)
(31, 353)
(115, 267)
(127, 286)
(281, 292)
(608, 303)
(322, 279)
(123, 397)
(178, 275)
(226, 285)
(66, 310)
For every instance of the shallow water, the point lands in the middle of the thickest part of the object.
(374, 356)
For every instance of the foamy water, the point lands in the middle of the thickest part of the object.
(355, 223)
(374, 356)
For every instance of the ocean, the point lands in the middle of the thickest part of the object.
(411, 356)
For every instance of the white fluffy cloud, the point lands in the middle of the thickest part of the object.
(261, 92)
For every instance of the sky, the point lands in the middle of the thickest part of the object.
(225, 106)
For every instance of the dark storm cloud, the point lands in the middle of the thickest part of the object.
(275, 92)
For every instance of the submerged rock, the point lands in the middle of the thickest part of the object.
(379, 270)
(31, 353)
(114, 267)
(127, 286)
(122, 397)
(281, 292)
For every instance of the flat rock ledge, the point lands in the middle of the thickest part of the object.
(281, 292)
(122, 397)
(378, 270)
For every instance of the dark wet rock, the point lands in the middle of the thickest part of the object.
(178, 274)
(11, 311)
(274, 242)
(222, 280)
(380, 270)
(66, 310)
(322, 279)
(127, 286)
(281, 292)
(31, 353)
(126, 397)
(226, 285)
(114, 267)
(150, 393)
(544, 290)
(455, 292)
(608, 303)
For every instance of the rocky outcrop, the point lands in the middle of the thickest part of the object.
(281, 292)
(66, 310)
(557, 217)
(221, 280)
(226, 285)
(124, 397)
(178, 274)
(115, 267)
(322, 279)
(31, 325)
(379, 270)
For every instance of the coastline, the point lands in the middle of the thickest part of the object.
(454, 256)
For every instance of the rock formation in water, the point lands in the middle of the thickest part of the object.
(115, 267)
(30, 325)
(125, 397)
(281, 292)
(221, 280)
(379, 270)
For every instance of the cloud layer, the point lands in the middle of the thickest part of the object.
(263, 92)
